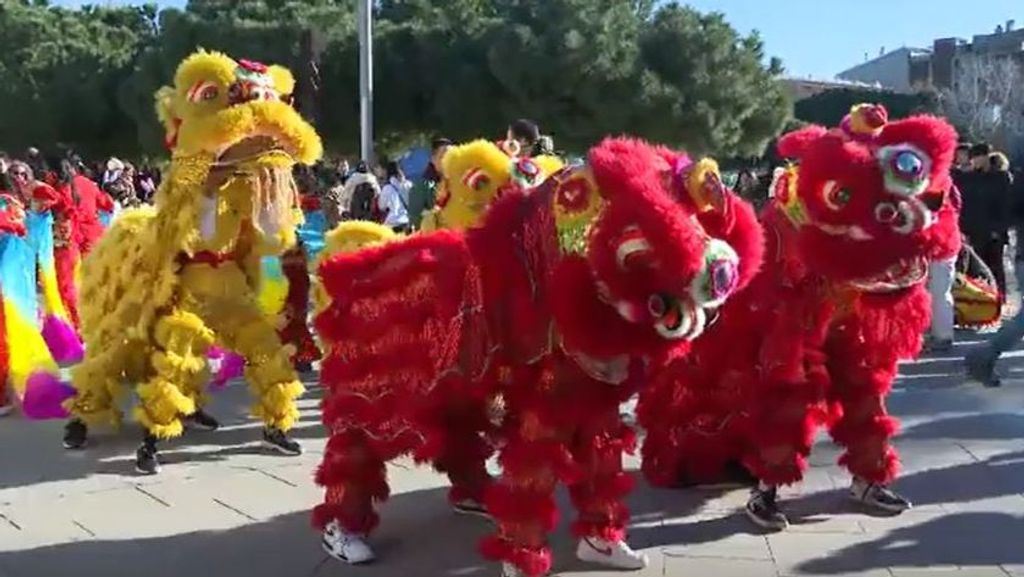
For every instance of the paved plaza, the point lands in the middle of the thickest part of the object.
(223, 508)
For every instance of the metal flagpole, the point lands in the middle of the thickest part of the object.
(365, 24)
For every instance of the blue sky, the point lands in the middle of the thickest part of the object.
(820, 38)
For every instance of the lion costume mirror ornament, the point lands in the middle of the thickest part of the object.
(166, 283)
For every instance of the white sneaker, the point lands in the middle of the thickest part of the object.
(510, 570)
(345, 546)
(878, 497)
(616, 554)
(6, 410)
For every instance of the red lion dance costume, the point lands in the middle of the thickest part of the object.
(816, 337)
(562, 302)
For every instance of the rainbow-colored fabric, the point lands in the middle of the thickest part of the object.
(33, 372)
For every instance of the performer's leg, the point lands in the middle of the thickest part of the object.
(173, 391)
(602, 516)
(354, 477)
(522, 502)
(456, 445)
(241, 326)
(786, 416)
(66, 259)
(865, 430)
(296, 331)
(99, 383)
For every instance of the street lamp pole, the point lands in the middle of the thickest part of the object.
(365, 24)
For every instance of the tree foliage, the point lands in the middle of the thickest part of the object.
(828, 108)
(464, 68)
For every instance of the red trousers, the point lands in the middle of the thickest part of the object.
(66, 260)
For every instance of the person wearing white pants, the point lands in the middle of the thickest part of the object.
(940, 286)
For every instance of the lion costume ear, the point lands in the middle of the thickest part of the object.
(284, 82)
(164, 101)
(795, 144)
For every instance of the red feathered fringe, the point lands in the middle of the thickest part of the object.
(532, 562)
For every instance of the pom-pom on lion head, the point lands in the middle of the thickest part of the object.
(870, 199)
(235, 113)
(478, 172)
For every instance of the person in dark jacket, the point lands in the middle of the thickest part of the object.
(985, 217)
(424, 194)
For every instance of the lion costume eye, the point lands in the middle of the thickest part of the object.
(476, 179)
(836, 197)
(905, 168)
(203, 91)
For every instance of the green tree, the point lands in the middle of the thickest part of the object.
(828, 108)
(61, 71)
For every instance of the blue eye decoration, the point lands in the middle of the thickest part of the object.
(905, 169)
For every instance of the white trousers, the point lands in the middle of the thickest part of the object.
(940, 285)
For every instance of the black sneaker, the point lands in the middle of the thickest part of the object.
(983, 370)
(878, 497)
(279, 441)
(146, 461)
(76, 435)
(763, 509)
(471, 507)
(201, 421)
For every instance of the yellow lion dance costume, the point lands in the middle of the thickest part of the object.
(166, 283)
(474, 175)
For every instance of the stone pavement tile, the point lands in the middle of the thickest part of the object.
(935, 570)
(247, 492)
(723, 537)
(825, 553)
(948, 572)
(37, 532)
(683, 566)
(568, 566)
(1012, 504)
(881, 524)
(422, 536)
(110, 514)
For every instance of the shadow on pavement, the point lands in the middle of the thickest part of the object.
(419, 536)
(963, 539)
(36, 445)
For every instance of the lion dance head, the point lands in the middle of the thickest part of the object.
(871, 199)
(660, 240)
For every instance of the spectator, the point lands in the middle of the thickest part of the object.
(335, 203)
(394, 198)
(40, 169)
(35, 195)
(423, 196)
(962, 163)
(119, 183)
(986, 210)
(5, 180)
(941, 275)
(523, 135)
(362, 189)
(145, 185)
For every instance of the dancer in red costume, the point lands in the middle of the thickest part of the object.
(816, 337)
(88, 200)
(562, 302)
